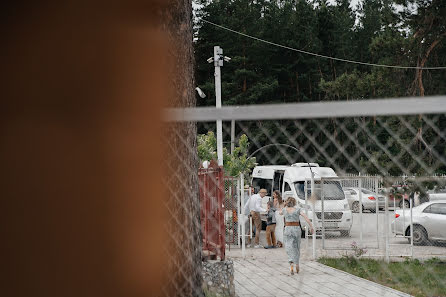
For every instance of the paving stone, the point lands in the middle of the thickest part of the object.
(266, 273)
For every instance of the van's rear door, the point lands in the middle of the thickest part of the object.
(278, 180)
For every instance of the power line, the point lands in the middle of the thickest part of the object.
(323, 56)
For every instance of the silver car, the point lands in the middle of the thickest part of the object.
(429, 222)
(369, 199)
(437, 194)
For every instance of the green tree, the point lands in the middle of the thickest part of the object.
(235, 163)
(373, 32)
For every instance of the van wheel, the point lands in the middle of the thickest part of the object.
(345, 233)
(355, 206)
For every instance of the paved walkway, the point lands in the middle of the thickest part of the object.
(266, 273)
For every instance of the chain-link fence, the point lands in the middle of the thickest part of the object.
(367, 170)
(231, 211)
(379, 189)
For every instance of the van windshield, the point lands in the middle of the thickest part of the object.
(332, 190)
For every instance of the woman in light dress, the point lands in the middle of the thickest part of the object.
(280, 223)
(293, 231)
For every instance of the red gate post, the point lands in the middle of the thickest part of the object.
(211, 183)
(220, 195)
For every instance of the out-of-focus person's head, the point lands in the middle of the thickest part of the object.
(263, 192)
(290, 202)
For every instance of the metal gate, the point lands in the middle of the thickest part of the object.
(211, 184)
(230, 206)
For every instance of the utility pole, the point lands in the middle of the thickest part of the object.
(218, 59)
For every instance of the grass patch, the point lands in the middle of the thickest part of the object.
(411, 276)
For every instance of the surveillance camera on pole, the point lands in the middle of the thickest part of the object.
(200, 92)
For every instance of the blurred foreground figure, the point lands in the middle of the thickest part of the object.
(82, 194)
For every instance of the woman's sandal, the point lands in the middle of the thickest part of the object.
(292, 270)
(297, 268)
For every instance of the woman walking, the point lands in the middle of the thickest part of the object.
(280, 223)
(293, 231)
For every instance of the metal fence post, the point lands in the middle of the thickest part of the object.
(411, 228)
(360, 209)
(242, 212)
(377, 210)
(239, 195)
(314, 215)
(306, 212)
(206, 212)
(386, 229)
(323, 213)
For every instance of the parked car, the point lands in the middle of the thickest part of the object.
(369, 199)
(398, 196)
(437, 194)
(429, 222)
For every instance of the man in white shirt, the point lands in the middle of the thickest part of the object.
(254, 206)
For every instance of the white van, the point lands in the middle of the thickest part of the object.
(290, 181)
(337, 213)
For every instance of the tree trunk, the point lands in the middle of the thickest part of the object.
(309, 85)
(244, 66)
(183, 249)
(419, 74)
(297, 87)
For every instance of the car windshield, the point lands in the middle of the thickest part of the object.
(332, 190)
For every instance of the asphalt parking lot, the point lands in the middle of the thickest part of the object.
(373, 240)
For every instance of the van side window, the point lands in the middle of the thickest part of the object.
(287, 187)
(260, 183)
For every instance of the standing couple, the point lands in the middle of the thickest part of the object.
(253, 207)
